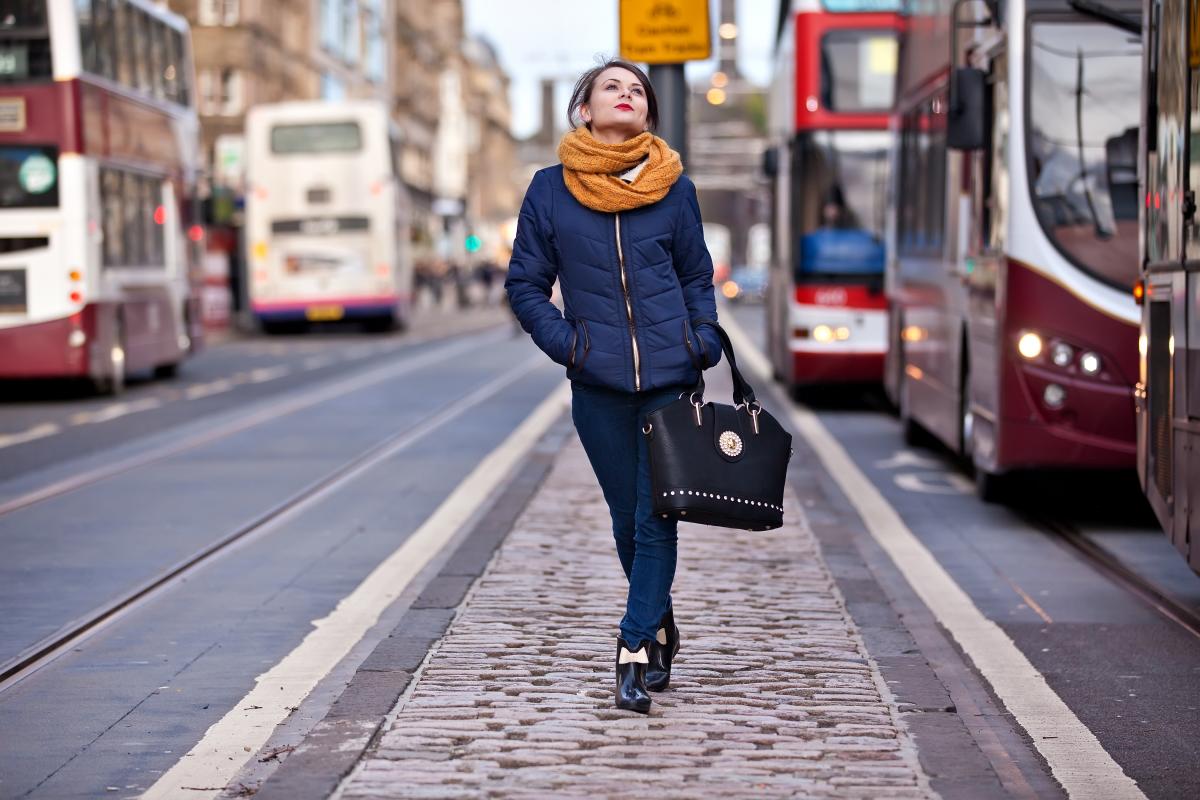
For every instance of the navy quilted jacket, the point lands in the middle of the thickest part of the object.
(635, 284)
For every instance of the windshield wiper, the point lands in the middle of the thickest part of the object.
(1100, 11)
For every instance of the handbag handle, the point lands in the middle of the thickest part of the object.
(743, 394)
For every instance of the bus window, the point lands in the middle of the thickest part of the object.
(158, 57)
(143, 29)
(183, 75)
(111, 216)
(125, 51)
(318, 137)
(24, 43)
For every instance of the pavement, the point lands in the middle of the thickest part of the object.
(773, 694)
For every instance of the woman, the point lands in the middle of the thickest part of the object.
(617, 223)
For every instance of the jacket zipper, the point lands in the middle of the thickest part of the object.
(637, 360)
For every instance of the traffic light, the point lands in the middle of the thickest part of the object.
(473, 243)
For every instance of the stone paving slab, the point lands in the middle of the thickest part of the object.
(773, 693)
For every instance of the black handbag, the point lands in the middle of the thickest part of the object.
(718, 464)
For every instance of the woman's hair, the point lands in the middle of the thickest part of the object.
(587, 82)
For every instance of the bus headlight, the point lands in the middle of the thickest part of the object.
(823, 333)
(76, 338)
(1029, 345)
(1061, 354)
(1090, 363)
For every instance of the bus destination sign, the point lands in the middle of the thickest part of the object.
(665, 31)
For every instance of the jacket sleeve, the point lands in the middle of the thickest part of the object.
(532, 271)
(694, 266)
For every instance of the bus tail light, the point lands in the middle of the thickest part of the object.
(1139, 292)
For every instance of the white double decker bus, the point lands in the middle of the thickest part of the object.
(326, 215)
(98, 160)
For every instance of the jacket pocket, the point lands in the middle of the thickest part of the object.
(573, 363)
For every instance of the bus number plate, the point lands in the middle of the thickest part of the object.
(12, 291)
(12, 114)
(324, 313)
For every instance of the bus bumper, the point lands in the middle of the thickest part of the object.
(331, 310)
(45, 349)
(834, 366)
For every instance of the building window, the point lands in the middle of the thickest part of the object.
(332, 88)
(331, 25)
(221, 92)
(218, 12)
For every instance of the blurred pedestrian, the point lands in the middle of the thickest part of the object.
(619, 224)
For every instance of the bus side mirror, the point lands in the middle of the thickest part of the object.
(965, 123)
(770, 162)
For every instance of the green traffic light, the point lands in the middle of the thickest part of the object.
(473, 243)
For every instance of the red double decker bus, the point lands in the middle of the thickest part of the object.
(1013, 327)
(98, 158)
(831, 100)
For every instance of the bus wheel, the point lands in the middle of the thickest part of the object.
(385, 323)
(991, 487)
(166, 371)
(114, 382)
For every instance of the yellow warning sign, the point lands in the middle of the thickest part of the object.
(665, 31)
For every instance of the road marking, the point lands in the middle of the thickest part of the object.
(939, 482)
(36, 432)
(266, 411)
(235, 739)
(199, 390)
(264, 374)
(1076, 758)
(316, 362)
(115, 410)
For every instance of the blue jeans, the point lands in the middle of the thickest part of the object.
(609, 424)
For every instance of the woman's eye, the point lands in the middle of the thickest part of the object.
(637, 91)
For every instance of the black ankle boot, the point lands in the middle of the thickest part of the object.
(662, 652)
(631, 677)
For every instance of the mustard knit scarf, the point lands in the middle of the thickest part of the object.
(590, 168)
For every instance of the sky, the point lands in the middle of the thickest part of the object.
(543, 38)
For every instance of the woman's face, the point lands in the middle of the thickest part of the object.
(617, 106)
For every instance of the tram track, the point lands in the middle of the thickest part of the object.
(75, 632)
(1112, 567)
(267, 410)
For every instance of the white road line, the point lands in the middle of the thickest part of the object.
(36, 432)
(1075, 756)
(241, 733)
(114, 410)
(264, 374)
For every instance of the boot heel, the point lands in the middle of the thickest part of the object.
(662, 654)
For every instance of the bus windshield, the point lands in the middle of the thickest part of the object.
(1084, 101)
(839, 183)
(317, 137)
(858, 71)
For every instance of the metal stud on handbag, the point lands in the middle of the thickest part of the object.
(718, 464)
